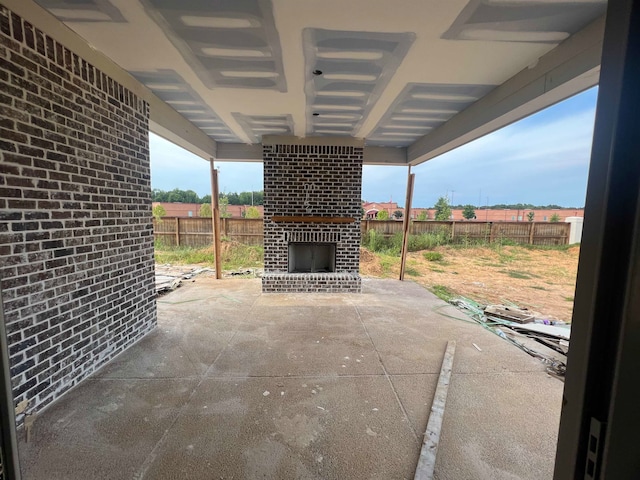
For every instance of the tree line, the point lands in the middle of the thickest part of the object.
(189, 196)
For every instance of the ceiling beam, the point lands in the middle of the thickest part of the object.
(241, 152)
(385, 156)
(571, 67)
(164, 120)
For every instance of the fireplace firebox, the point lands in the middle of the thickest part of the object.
(312, 257)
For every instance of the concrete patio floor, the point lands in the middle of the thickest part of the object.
(238, 385)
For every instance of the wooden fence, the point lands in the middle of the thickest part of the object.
(534, 233)
(196, 232)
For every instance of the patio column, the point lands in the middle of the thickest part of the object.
(215, 219)
(406, 221)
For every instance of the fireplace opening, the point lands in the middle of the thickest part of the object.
(312, 257)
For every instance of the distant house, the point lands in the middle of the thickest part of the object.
(371, 209)
(185, 210)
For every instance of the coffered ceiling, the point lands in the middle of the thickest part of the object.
(394, 73)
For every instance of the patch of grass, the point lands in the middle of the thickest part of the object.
(437, 270)
(433, 256)
(569, 299)
(387, 262)
(442, 292)
(234, 256)
(184, 256)
(412, 272)
(561, 248)
(537, 287)
(516, 274)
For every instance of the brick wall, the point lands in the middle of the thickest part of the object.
(312, 180)
(76, 244)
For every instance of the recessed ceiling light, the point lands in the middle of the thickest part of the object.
(218, 22)
(80, 15)
(354, 108)
(515, 36)
(325, 93)
(247, 74)
(444, 96)
(233, 52)
(356, 77)
(353, 55)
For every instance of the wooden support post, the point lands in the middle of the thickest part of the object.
(215, 219)
(407, 221)
(453, 230)
(177, 231)
(532, 227)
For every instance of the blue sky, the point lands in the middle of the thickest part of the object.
(542, 159)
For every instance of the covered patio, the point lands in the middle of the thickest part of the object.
(238, 384)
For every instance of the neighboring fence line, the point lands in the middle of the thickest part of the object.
(197, 232)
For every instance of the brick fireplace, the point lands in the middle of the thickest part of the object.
(312, 192)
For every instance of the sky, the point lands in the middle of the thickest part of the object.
(542, 159)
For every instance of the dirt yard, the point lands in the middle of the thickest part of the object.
(538, 279)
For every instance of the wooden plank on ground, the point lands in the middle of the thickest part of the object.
(427, 461)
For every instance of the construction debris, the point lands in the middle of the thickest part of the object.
(431, 439)
(170, 277)
(523, 329)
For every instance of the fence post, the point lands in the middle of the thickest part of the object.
(491, 233)
(177, 231)
(453, 230)
(531, 229)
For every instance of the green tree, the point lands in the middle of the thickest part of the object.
(205, 210)
(158, 212)
(382, 215)
(443, 210)
(223, 203)
(397, 214)
(205, 199)
(531, 216)
(252, 212)
(555, 218)
(423, 215)
(469, 212)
